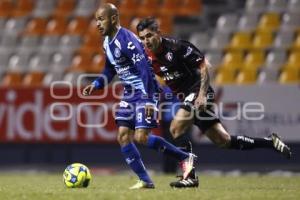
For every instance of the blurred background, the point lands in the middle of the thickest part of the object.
(45, 45)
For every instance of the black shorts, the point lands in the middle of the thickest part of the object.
(205, 119)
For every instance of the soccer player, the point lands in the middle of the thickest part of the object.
(135, 116)
(185, 70)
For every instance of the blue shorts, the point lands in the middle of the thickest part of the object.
(131, 114)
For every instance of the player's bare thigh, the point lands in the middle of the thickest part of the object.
(181, 122)
(218, 135)
(125, 135)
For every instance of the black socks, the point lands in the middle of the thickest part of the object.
(246, 143)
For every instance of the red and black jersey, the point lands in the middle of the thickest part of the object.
(177, 63)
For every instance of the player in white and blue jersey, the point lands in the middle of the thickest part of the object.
(126, 58)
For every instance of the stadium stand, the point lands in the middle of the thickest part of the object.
(264, 36)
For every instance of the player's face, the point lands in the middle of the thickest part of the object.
(150, 39)
(103, 22)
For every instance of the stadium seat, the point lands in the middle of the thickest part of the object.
(98, 63)
(19, 62)
(277, 5)
(22, 8)
(56, 26)
(4, 59)
(129, 7)
(81, 62)
(40, 62)
(190, 8)
(233, 60)
(293, 60)
(71, 77)
(92, 30)
(14, 26)
(86, 8)
(225, 76)
(290, 21)
(8, 43)
(28, 43)
(2, 24)
(293, 6)
(296, 43)
(269, 22)
(200, 40)
(91, 43)
(115, 2)
(49, 44)
(148, 8)
(33, 79)
(218, 41)
(227, 23)
(289, 76)
(255, 6)
(51, 77)
(248, 22)
(283, 39)
(60, 62)
(262, 40)
(275, 59)
(69, 43)
(64, 8)
(13, 79)
(246, 76)
(43, 8)
(166, 24)
(214, 58)
(254, 59)
(125, 20)
(267, 75)
(6, 7)
(77, 26)
(36, 26)
(169, 7)
(240, 41)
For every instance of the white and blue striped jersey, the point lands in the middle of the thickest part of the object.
(126, 57)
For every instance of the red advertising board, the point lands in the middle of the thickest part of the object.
(59, 115)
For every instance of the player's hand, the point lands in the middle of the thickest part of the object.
(200, 103)
(149, 111)
(88, 90)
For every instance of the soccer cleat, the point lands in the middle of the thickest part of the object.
(188, 165)
(185, 183)
(280, 146)
(142, 185)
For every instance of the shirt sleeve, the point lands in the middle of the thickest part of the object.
(190, 55)
(106, 76)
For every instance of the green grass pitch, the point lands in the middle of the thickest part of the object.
(40, 186)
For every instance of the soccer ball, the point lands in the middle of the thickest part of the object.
(77, 175)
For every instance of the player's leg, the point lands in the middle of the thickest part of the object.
(132, 156)
(125, 119)
(143, 127)
(180, 124)
(218, 135)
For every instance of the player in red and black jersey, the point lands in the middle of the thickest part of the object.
(185, 70)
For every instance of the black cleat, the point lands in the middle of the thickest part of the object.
(280, 146)
(185, 183)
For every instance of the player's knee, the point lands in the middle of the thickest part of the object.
(123, 138)
(224, 141)
(141, 137)
(176, 130)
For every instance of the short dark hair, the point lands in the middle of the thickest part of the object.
(149, 22)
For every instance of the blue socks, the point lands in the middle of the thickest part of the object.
(160, 144)
(133, 159)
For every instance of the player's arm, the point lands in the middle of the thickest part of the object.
(201, 100)
(104, 78)
(192, 57)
